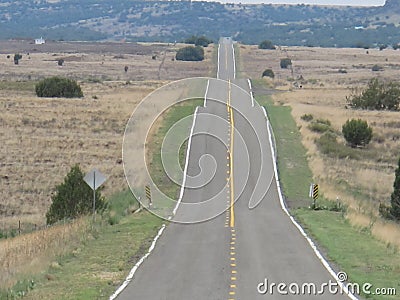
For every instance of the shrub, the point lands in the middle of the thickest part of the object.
(307, 117)
(318, 127)
(58, 87)
(357, 132)
(377, 96)
(17, 57)
(285, 63)
(384, 211)
(328, 145)
(376, 68)
(268, 73)
(266, 45)
(190, 53)
(342, 71)
(382, 47)
(395, 197)
(73, 198)
(324, 122)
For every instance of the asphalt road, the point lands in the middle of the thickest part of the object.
(246, 238)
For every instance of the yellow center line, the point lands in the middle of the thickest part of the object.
(230, 191)
(232, 125)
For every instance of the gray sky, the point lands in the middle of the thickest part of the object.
(320, 2)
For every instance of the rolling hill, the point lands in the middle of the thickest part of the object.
(169, 21)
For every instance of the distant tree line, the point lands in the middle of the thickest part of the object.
(199, 41)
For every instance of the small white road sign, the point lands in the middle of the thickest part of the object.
(94, 179)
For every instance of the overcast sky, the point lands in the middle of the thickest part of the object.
(321, 2)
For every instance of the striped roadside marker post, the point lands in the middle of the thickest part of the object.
(148, 195)
(314, 192)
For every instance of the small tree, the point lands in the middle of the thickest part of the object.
(285, 63)
(357, 132)
(58, 87)
(60, 62)
(17, 57)
(395, 197)
(202, 41)
(266, 45)
(190, 53)
(377, 95)
(73, 198)
(268, 73)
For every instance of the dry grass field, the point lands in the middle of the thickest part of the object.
(315, 86)
(42, 137)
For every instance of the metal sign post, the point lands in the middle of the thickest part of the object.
(94, 179)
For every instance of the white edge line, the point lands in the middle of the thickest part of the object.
(251, 93)
(153, 244)
(219, 45)
(301, 230)
(186, 163)
(234, 62)
(205, 95)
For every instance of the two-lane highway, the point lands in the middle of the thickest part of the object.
(250, 243)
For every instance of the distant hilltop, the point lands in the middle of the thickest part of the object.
(170, 21)
(392, 4)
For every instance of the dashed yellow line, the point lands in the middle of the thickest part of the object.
(232, 126)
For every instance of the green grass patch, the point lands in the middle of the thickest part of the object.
(170, 117)
(214, 69)
(357, 253)
(120, 205)
(97, 267)
(328, 145)
(320, 126)
(354, 250)
(292, 160)
(27, 86)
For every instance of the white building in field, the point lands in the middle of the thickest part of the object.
(40, 41)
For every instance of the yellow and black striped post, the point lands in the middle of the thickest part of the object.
(315, 191)
(148, 194)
